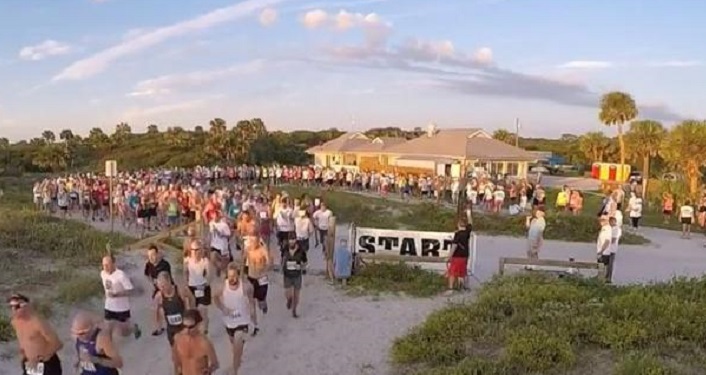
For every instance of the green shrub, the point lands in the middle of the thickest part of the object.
(68, 240)
(6, 331)
(534, 323)
(397, 278)
(642, 364)
(79, 289)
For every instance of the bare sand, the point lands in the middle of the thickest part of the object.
(336, 334)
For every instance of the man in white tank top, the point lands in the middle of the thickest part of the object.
(236, 300)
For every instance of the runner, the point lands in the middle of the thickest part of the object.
(155, 265)
(172, 301)
(220, 236)
(118, 288)
(304, 228)
(258, 260)
(197, 275)
(294, 262)
(97, 354)
(37, 340)
(192, 352)
(236, 301)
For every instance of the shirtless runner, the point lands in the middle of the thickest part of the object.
(193, 352)
(97, 354)
(38, 341)
(258, 260)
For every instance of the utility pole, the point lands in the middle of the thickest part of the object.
(517, 132)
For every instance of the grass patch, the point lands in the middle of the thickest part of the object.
(397, 278)
(531, 324)
(374, 212)
(78, 289)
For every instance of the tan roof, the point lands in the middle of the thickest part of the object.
(461, 143)
(356, 142)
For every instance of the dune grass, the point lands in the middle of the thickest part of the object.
(396, 278)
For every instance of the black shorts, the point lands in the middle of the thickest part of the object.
(52, 366)
(667, 212)
(686, 220)
(142, 214)
(214, 250)
(118, 316)
(259, 291)
(205, 299)
(231, 331)
(64, 208)
(282, 236)
(303, 243)
(171, 332)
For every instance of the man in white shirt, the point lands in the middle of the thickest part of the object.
(616, 232)
(118, 289)
(604, 241)
(284, 220)
(321, 221)
(220, 240)
(686, 216)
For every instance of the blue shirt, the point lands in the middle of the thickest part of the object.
(343, 262)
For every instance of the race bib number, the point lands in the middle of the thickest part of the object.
(174, 320)
(108, 285)
(235, 314)
(36, 370)
(292, 265)
(87, 366)
(263, 280)
(199, 292)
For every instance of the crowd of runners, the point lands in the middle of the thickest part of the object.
(235, 224)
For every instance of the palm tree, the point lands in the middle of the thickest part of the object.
(504, 136)
(644, 141)
(217, 139)
(152, 129)
(683, 148)
(122, 132)
(617, 108)
(49, 136)
(97, 138)
(594, 145)
(67, 136)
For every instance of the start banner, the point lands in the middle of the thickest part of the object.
(402, 242)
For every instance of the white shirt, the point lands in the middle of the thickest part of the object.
(236, 302)
(285, 222)
(197, 271)
(116, 282)
(618, 215)
(635, 205)
(220, 232)
(604, 235)
(686, 212)
(321, 218)
(615, 233)
(303, 227)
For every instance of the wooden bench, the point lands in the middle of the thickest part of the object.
(599, 267)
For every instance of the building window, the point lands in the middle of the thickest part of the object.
(495, 168)
(513, 169)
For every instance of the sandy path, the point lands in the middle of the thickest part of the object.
(335, 335)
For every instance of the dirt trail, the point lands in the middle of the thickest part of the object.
(335, 335)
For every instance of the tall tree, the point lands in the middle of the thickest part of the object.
(122, 132)
(644, 140)
(618, 108)
(218, 138)
(684, 147)
(594, 145)
(67, 136)
(504, 135)
(49, 136)
(152, 129)
(97, 138)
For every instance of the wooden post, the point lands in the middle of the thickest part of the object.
(330, 244)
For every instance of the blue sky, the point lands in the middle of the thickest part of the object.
(350, 64)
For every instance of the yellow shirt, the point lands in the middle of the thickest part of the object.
(562, 198)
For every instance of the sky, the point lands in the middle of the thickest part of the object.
(348, 64)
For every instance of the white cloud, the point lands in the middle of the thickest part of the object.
(677, 64)
(146, 112)
(376, 29)
(483, 55)
(268, 16)
(586, 64)
(43, 50)
(314, 19)
(99, 62)
(169, 83)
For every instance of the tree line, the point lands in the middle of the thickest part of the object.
(646, 144)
